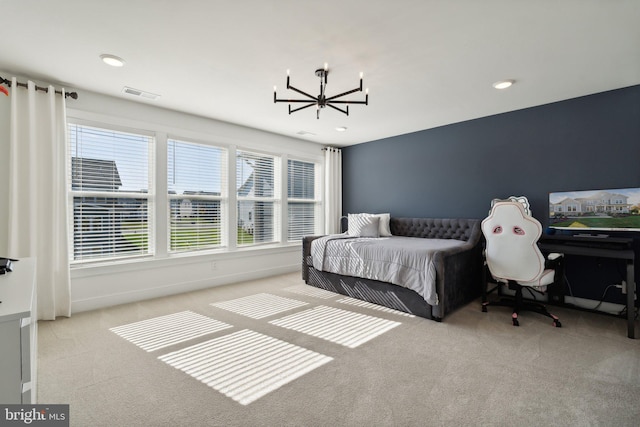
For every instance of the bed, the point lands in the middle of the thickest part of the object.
(445, 275)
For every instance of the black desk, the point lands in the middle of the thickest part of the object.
(604, 247)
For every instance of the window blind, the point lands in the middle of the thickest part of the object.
(257, 190)
(196, 175)
(302, 205)
(110, 188)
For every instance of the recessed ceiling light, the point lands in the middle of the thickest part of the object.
(503, 84)
(341, 129)
(112, 60)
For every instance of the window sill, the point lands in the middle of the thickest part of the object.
(179, 259)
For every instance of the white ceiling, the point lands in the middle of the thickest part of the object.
(426, 63)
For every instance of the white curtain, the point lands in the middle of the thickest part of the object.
(333, 190)
(37, 193)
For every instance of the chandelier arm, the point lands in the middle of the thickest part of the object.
(345, 93)
(294, 100)
(303, 93)
(348, 102)
(339, 109)
(301, 108)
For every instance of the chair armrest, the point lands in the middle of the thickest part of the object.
(553, 261)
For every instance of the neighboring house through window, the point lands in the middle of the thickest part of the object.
(117, 213)
(196, 175)
(258, 187)
(110, 190)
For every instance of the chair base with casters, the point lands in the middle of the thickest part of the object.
(517, 302)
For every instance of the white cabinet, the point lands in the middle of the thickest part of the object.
(18, 333)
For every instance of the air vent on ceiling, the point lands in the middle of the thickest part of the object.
(138, 92)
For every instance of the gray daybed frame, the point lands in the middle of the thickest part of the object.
(458, 270)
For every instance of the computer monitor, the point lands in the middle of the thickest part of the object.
(590, 211)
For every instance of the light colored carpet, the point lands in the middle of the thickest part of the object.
(296, 366)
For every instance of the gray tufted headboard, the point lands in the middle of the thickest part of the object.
(433, 228)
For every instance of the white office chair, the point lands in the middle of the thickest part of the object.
(513, 258)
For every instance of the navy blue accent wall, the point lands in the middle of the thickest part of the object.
(591, 142)
(454, 171)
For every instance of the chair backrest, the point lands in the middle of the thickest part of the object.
(512, 252)
(520, 199)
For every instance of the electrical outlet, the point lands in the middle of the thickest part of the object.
(213, 266)
(624, 287)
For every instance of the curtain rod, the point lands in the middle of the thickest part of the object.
(73, 95)
(330, 149)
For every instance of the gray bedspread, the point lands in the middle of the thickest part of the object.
(403, 261)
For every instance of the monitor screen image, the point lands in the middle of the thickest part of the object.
(607, 210)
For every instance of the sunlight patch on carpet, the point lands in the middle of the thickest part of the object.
(365, 304)
(311, 291)
(335, 325)
(259, 306)
(163, 331)
(245, 365)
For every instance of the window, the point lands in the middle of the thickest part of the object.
(116, 212)
(110, 193)
(257, 190)
(196, 182)
(302, 203)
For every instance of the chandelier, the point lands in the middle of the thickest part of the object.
(322, 100)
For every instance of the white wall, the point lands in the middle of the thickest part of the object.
(115, 283)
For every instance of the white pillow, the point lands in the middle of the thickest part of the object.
(385, 230)
(363, 225)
